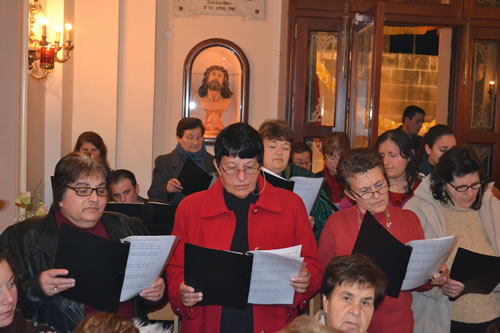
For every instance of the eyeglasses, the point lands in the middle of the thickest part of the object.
(368, 195)
(302, 163)
(87, 191)
(235, 171)
(465, 188)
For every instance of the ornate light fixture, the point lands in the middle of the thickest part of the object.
(42, 53)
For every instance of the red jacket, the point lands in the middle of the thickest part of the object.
(278, 219)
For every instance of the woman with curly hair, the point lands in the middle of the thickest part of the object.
(456, 200)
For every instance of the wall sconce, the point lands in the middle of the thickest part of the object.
(41, 53)
(491, 90)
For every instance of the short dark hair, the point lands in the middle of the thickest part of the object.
(239, 140)
(411, 110)
(121, 174)
(335, 142)
(456, 162)
(359, 161)
(276, 129)
(300, 147)
(70, 168)
(103, 322)
(187, 124)
(435, 133)
(93, 138)
(431, 137)
(400, 139)
(354, 269)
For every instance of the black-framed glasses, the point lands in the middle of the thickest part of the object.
(249, 170)
(465, 188)
(85, 191)
(368, 195)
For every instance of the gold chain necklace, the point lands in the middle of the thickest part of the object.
(388, 222)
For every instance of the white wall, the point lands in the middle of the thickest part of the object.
(11, 110)
(263, 42)
(124, 79)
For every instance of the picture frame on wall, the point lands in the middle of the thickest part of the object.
(215, 85)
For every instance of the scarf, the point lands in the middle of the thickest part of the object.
(198, 158)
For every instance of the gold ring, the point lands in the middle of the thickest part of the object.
(55, 287)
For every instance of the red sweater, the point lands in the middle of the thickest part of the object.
(278, 219)
(339, 234)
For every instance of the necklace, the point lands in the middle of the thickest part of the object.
(388, 222)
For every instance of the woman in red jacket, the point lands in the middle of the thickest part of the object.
(241, 212)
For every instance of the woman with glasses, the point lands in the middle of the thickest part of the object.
(363, 176)
(80, 192)
(241, 212)
(334, 146)
(455, 200)
(165, 186)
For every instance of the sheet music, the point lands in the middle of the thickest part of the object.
(307, 188)
(147, 257)
(271, 274)
(272, 173)
(292, 251)
(426, 259)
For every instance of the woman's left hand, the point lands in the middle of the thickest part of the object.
(452, 288)
(301, 283)
(155, 292)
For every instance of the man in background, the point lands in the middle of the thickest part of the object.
(413, 118)
(302, 155)
(124, 187)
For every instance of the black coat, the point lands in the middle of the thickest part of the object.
(33, 246)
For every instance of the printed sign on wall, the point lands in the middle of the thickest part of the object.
(252, 9)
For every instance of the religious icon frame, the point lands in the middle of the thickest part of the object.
(226, 54)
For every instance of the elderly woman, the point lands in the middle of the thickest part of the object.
(80, 191)
(165, 185)
(334, 146)
(455, 200)
(363, 176)
(241, 212)
(352, 289)
(435, 143)
(91, 143)
(400, 166)
(278, 139)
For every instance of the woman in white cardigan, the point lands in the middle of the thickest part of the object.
(455, 200)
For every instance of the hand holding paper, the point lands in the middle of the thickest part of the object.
(301, 282)
(52, 283)
(155, 292)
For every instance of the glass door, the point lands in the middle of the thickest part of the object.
(368, 39)
(319, 83)
(479, 125)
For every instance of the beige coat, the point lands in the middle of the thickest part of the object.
(432, 309)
